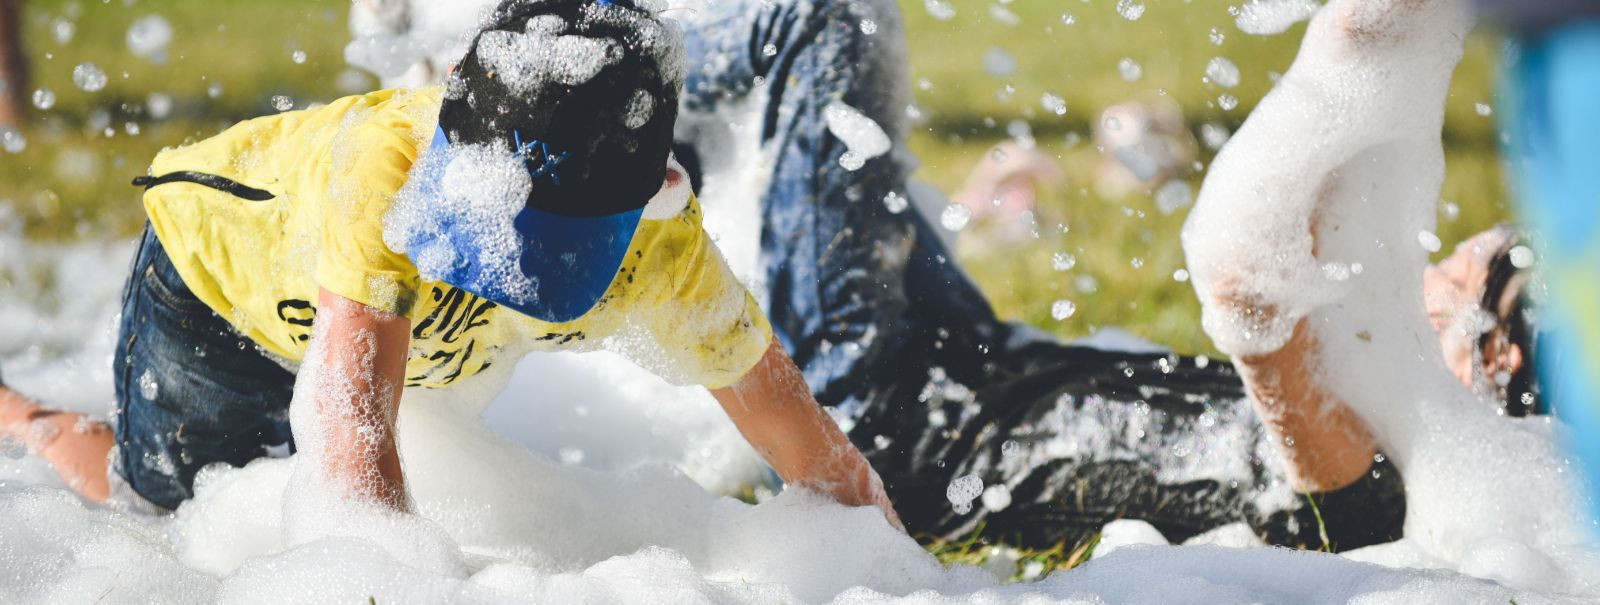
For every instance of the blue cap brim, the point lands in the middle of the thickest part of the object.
(571, 261)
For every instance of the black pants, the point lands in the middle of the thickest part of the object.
(1080, 437)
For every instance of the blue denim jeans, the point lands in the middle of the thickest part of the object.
(190, 390)
(851, 281)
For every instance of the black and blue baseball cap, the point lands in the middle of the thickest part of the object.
(584, 94)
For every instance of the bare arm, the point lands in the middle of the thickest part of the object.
(774, 410)
(358, 395)
(1325, 444)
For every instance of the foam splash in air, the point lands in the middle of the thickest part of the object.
(149, 36)
(863, 138)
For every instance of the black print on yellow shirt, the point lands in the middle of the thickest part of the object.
(298, 314)
(455, 313)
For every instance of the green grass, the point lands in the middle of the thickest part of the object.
(975, 551)
(72, 179)
(1078, 62)
(1322, 526)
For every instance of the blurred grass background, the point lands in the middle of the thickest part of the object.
(229, 58)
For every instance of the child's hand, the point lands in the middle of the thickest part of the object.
(774, 410)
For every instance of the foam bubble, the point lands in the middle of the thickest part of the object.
(1522, 257)
(149, 36)
(1062, 309)
(1063, 261)
(1222, 72)
(1173, 196)
(1428, 241)
(1053, 103)
(962, 491)
(640, 107)
(1131, 10)
(44, 98)
(12, 140)
(89, 77)
(999, 63)
(1129, 69)
(1123, 533)
(862, 136)
(63, 31)
(954, 217)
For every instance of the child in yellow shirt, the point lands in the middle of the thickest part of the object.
(410, 239)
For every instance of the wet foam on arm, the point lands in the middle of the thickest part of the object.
(1307, 210)
(774, 410)
(1324, 444)
(707, 329)
(357, 398)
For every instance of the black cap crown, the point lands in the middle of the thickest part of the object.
(586, 91)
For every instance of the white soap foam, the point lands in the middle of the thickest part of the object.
(863, 137)
(735, 171)
(531, 62)
(410, 44)
(1268, 17)
(1222, 72)
(498, 524)
(464, 198)
(1123, 533)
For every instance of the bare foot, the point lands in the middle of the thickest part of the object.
(75, 445)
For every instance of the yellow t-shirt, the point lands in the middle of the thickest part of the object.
(300, 204)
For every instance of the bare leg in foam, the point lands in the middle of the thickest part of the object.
(75, 445)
